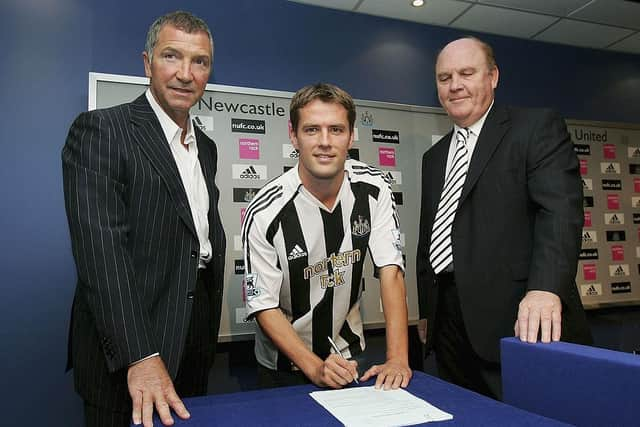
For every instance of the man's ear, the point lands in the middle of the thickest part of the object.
(292, 137)
(495, 74)
(147, 64)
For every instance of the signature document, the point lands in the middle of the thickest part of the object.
(366, 406)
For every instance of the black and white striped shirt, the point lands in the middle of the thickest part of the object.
(307, 260)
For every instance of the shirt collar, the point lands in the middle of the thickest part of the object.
(475, 128)
(293, 179)
(169, 127)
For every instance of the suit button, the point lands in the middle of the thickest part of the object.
(190, 295)
(194, 254)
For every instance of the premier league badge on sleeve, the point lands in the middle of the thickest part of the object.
(251, 286)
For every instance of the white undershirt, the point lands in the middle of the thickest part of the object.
(190, 173)
(472, 139)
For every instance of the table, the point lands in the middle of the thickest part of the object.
(291, 406)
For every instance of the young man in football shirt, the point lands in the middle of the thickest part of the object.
(305, 237)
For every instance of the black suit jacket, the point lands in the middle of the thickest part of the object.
(135, 247)
(517, 227)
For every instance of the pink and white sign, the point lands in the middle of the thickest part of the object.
(609, 151)
(587, 218)
(387, 156)
(249, 148)
(617, 253)
(613, 201)
(583, 167)
(589, 271)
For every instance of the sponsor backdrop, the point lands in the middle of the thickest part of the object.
(250, 128)
(609, 266)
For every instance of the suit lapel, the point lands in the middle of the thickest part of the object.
(492, 133)
(149, 136)
(206, 162)
(441, 152)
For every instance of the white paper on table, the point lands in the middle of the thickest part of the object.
(371, 407)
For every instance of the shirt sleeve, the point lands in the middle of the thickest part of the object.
(385, 244)
(263, 277)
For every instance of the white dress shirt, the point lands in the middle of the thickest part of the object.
(190, 173)
(472, 139)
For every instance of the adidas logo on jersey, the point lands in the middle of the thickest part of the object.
(296, 253)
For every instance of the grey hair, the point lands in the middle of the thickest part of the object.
(185, 21)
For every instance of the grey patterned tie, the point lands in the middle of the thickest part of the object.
(440, 253)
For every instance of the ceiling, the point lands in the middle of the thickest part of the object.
(612, 25)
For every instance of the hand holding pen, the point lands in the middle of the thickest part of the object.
(339, 353)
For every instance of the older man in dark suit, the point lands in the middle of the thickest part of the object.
(141, 200)
(500, 225)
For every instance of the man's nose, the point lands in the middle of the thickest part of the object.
(184, 72)
(325, 137)
(456, 83)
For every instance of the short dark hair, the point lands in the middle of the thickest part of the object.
(185, 21)
(325, 92)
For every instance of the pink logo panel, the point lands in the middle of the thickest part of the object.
(249, 148)
(589, 271)
(387, 156)
(617, 253)
(609, 151)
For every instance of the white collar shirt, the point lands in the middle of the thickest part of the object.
(472, 139)
(190, 173)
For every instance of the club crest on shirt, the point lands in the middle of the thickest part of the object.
(360, 227)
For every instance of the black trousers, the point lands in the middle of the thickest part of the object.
(193, 372)
(269, 378)
(457, 362)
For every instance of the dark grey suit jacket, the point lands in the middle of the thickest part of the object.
(517, 227)
(135, 247)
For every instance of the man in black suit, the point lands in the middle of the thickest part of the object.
(498, 242)
(141, 200)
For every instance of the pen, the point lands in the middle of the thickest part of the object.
(339, 353)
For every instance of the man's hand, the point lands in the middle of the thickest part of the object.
(335, 372)
(149, 386)
(391, 375)
(422, 330)
(539, 311)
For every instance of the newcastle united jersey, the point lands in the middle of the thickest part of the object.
(307, 259)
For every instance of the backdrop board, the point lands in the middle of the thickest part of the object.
(609, 266)
(250, 128)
